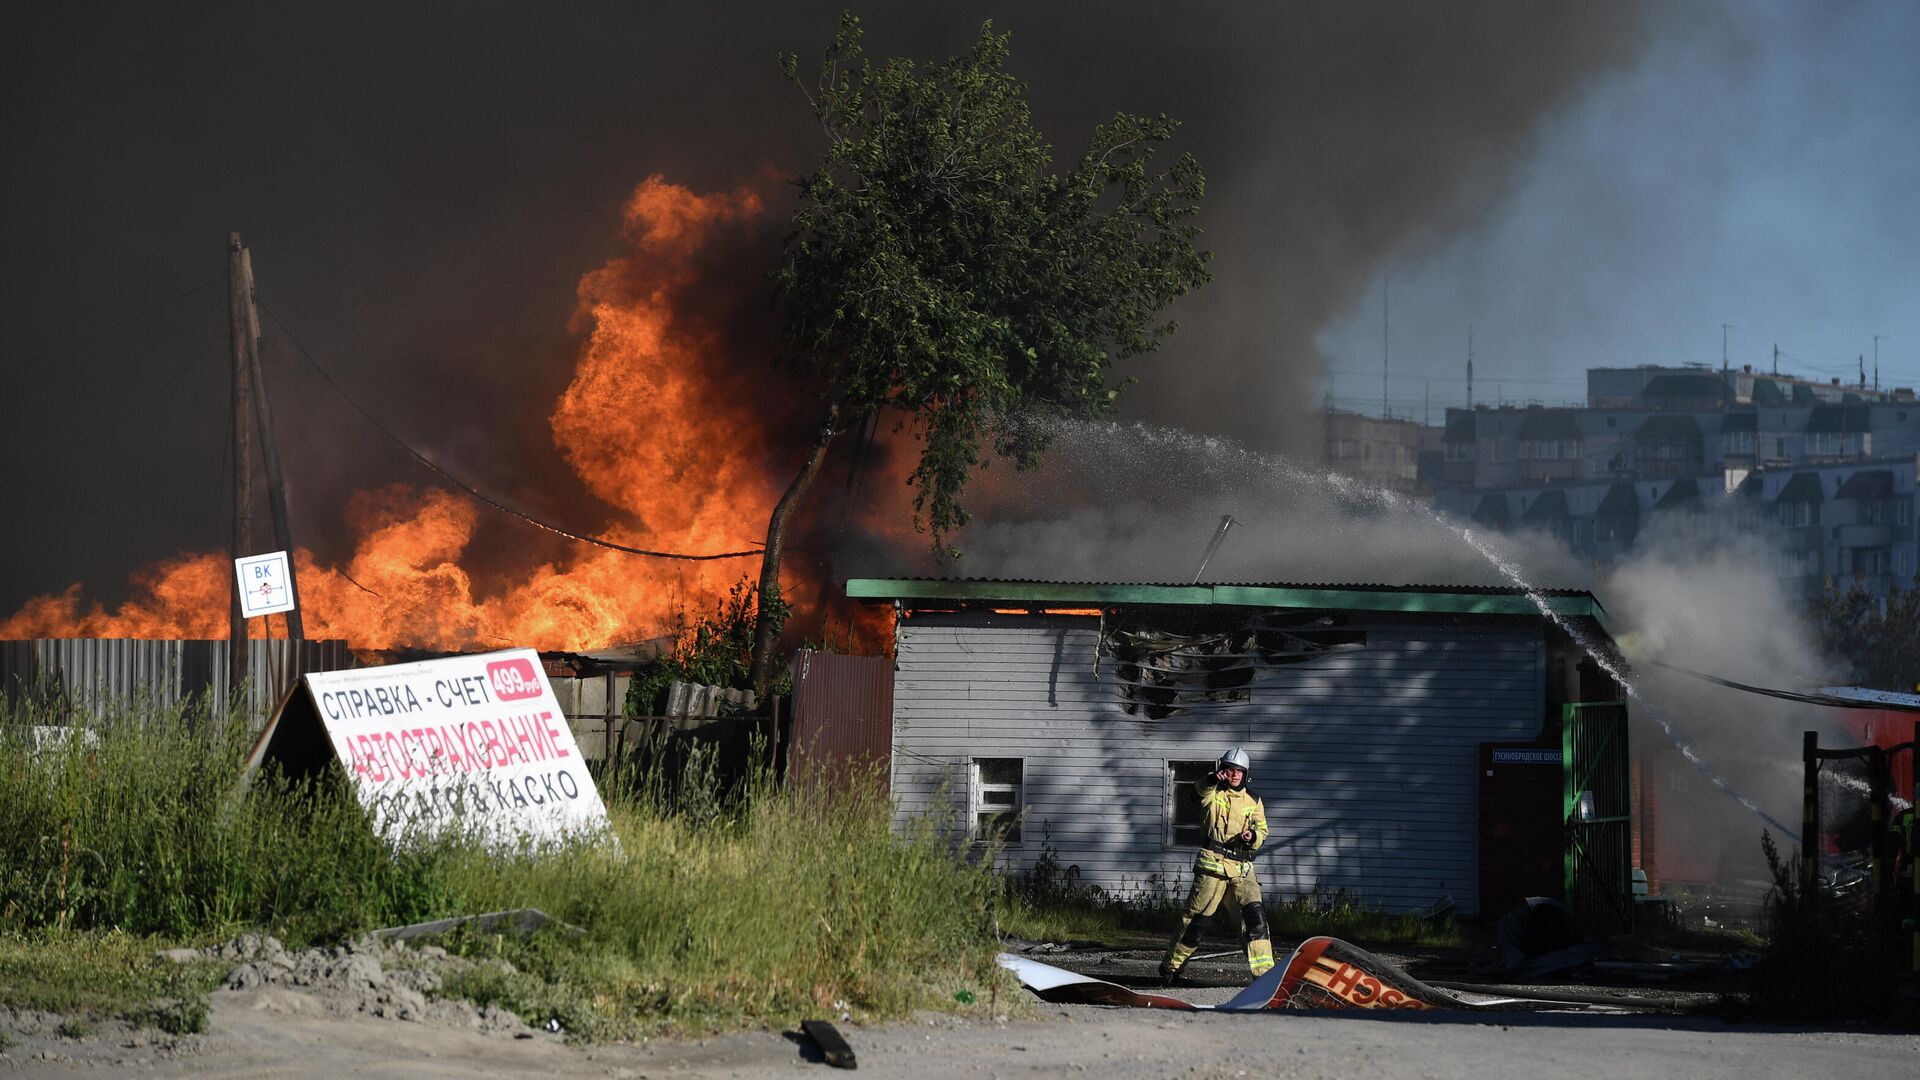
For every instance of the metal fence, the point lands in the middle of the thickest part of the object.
(1850, 847)
(65, 678)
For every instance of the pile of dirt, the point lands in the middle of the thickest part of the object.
(391, 981)
(394, 981)
(30, 1038)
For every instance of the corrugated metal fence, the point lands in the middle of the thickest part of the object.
(101, 674)
(842, 716)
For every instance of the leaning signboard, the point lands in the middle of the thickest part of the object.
(475, 745)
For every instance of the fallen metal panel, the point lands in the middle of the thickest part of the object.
(1323, 973)
(1064, 987)
(1328, 973)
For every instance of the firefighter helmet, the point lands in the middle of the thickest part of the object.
(1236, 758)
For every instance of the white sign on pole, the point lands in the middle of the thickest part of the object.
(475, 745)
(266, 585)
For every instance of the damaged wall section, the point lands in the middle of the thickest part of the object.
(1365, 731)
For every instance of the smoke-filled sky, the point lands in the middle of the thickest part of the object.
(1754, 167)
(423, 188)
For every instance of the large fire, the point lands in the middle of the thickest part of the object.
(649, 423)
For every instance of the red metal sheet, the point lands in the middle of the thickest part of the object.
(842, 716)
(1886, 729)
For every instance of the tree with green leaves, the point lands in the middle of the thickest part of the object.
(1879, 639)
(939, 267)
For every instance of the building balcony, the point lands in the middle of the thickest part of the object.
(1865, 536)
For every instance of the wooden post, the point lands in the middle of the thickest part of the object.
(270, 453)
(1810, 817)
(240, 330)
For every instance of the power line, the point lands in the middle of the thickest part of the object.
(468, 488)
(140, 314)
(144, 403)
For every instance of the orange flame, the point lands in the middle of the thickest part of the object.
(647, 422)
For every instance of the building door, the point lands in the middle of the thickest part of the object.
(1597, 859)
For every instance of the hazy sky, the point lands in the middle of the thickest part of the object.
(423, 186)
(1757, 168)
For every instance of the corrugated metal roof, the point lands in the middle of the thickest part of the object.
(1673, 427)
(1549, 505)
(1549, 424)
(1801, 487)
(1843, 418)
(1453, 599)
(1620, 501)
(1867, 484)
(1492, 510)
(1674, 387)
(1681, 493)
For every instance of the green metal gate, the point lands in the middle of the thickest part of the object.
(1599, 843)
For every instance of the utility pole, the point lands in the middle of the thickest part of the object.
(1724, 327)
(1877, 339)
(240, 331)
(270, 449)
(1776, 358)
(1386, 339)
(1469, 367)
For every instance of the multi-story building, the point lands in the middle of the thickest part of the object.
(1826, 472)
(1382, 451)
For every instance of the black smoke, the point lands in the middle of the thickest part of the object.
(423, 185)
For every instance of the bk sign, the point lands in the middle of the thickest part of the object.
(266, 585)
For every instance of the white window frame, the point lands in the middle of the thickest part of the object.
(997, 798)
(1173, 783)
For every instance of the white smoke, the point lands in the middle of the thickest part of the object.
(1139, 503)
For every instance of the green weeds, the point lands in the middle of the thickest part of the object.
(1823, 960)
(105, 975)
(754, 905)
(1050, 903)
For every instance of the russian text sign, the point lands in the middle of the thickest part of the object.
(474, 744)
(266, 585)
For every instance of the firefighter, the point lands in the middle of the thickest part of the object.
(1236, 826)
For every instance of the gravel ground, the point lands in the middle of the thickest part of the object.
(366, 1010)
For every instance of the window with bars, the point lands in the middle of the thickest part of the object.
(1186, 818)
(997, 798)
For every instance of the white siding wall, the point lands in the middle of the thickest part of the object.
(1366, 759)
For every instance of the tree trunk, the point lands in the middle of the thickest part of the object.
(765, 628)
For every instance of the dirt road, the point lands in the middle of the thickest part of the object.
(279, 1033)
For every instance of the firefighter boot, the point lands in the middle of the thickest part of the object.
(1259, 945)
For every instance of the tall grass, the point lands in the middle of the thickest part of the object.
(754, 905)
(1823, 960)
(1048, 902)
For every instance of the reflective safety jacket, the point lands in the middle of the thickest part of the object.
(1227, 814)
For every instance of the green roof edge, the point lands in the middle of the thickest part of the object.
(1437, 600)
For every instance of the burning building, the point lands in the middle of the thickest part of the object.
(1415, 745)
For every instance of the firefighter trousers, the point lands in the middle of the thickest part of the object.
(1233, 885)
